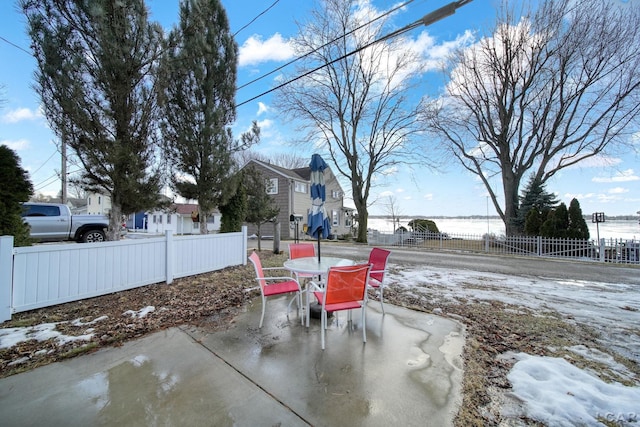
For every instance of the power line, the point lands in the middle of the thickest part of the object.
(16, 46)
(325, 45)
(45, 162)
(426, 20)
(254, 19)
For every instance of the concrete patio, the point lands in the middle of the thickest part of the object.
(408, 373)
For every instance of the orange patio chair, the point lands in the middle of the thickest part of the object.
(378, 260)
(275, 285)
(344, 289)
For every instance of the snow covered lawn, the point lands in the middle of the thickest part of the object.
(552, 390)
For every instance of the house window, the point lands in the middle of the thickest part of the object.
(99, 200)
(89, 201)
(334, 216)
(271, 185)
(300, 187)
(160, 219)
(169, 219)
(336, 194)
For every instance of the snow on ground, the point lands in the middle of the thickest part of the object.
(551, 390)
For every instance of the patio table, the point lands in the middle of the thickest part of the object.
(311, 265)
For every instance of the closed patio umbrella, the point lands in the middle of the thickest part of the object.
(318, 225)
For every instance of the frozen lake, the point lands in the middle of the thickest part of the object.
(611, 229)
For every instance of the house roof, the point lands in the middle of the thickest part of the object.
(299, 174)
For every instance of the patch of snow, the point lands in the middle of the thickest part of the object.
(43, 332)
(557, 393)
(140, 313)
(79, 322)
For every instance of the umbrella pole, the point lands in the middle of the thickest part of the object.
(319, 247)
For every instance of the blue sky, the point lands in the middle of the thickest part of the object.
(610, 185)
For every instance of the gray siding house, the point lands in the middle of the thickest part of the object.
(290, 191)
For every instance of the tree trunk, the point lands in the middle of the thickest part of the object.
(115, 223)
(276, 237)
(363, 219)
(510, 186)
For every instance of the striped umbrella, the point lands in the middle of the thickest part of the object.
(318, 225)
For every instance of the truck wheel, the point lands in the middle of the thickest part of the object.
(93, 236)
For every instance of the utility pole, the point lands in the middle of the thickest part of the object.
(63, 178)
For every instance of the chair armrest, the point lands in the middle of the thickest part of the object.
(314, 287)
(272, 278)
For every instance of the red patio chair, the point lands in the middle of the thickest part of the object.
(302, 250)
(275, 285)
(378, 260)
(344, 289)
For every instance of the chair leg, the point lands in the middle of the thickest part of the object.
(382, 299)
(364, 323)
(264, 304)
(323, 325)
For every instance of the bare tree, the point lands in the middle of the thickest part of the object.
(284, 160)
(393, 209)
(549, 89)
(355, 108)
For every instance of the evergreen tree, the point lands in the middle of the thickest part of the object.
(557, 223)
(578, 228)
(534, 222)
(534, 196)
(15, 189)
(198, 104)
(234, 211)
(260, 206)
(96, 74)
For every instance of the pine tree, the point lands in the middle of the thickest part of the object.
(534, 196)
(15, 189)
(533, 222)
(198, 104)
(234, 211)
(96, 74)
(557, 223)
(578, 228)
(260, 206)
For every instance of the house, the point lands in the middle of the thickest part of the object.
(98, 204)
(290, 191)
(180, 218)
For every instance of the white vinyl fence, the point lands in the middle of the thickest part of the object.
(620, 251)
(45, 275)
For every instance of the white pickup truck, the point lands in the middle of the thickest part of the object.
(53, 222)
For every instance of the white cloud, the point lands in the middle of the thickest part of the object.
(21, 114)
(390, 171)
(579, 196)
(623, 176)
(428, 196)
(262, 108)
(386, 194)
(255, 50)
(618, 190)
(19, 145)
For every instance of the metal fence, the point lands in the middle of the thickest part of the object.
(45, 275)
(620, 251)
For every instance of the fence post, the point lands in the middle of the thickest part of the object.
(602, 249)
(244, 245)
(169, 255)
(539, 245)
(6, 277)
